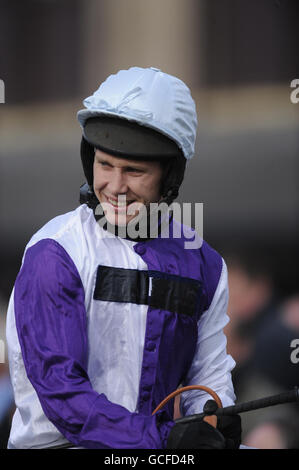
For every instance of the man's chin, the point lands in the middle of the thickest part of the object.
(120, 221)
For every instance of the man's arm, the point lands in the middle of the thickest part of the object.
(211, 365)
(51, 324)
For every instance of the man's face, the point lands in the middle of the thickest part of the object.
(125, 185)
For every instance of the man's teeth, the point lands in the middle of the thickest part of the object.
(120, 203)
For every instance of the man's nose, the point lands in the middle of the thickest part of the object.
(118, 182)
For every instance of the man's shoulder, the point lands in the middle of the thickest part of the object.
(202, 259)
(62, 226)
(190, 239)
(208, 252)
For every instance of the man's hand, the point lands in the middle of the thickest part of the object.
(195, 435)
(201, 435)
(230, 427)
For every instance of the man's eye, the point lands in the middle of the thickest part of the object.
(134, 170)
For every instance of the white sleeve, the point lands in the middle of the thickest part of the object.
(211, 365)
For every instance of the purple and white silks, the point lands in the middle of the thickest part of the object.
(51, 321)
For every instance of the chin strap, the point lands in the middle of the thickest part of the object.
(87, 196)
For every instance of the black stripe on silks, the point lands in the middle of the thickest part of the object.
(174, 293)
(121, 285)
(153, 288)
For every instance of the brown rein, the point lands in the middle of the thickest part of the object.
(209, 419)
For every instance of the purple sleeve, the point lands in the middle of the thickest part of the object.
(51, 324)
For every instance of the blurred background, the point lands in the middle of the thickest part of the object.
(239, 58)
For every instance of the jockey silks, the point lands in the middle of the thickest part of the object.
(100, 329)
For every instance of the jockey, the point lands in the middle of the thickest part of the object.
(105, 318)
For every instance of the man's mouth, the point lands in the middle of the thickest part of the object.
(119, 203)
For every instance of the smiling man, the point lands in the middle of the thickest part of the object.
(100, 327)
(124, 186)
